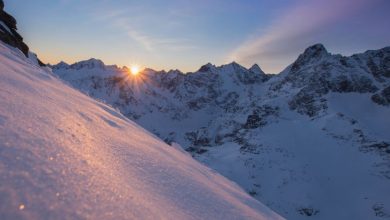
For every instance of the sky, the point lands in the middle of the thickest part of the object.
(186, 34)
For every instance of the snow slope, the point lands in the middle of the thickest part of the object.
(65, 156)
(311, 142)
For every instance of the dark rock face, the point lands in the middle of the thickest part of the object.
(308, 104)
(314, 52)
(379, 63)
(308, 211)
(380, 210)
(259, 115)
(205, 68)
(199, 138)
(382, 98)
(253, 121)
(316, 73)
(9, 34)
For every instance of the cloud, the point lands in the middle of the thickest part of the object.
(135, 22)
(295, 29)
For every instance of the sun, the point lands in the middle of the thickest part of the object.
(134, 70)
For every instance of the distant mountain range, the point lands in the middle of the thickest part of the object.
(312, 140)
(64, 155)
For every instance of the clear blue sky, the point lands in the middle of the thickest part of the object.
(185, 34)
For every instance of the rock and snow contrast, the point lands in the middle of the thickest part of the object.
(310, 142)
(64, 155)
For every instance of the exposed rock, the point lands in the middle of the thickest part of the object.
(382, 98)
(380, 210)
(314, 52)
(308, 211)
(256, 69)
(258, 117)
(228, 117)
(206, 68)
(199, 138)
(316, 73)
(308, 103)
(379, 62)
(9, 34)
(382, 147)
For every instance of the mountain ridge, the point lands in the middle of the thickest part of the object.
(308, 52)
(64, 155)
(272, 134)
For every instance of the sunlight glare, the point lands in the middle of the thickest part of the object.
(134, 70)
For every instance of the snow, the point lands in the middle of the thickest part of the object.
(65, 156)
(300, 166)
(296, 164)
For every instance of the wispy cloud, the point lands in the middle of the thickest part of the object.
(136, 26)
(294, 30)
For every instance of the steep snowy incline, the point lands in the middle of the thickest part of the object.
(65, 156)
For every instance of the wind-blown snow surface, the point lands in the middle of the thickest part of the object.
(65, 156)
(312, 141)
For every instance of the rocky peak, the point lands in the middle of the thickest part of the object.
(89, 64)
(205, 68)
(234, 65)
(316, 50)
(256, 69)
(175, 72)
(60, 65)
(313, 53)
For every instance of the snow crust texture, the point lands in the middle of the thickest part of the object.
(312, 141)
(64, 155)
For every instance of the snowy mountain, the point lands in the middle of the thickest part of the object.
(310, 141)
(64, 155)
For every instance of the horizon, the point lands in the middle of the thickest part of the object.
(209, 109)
(189, 35)
(219, 65)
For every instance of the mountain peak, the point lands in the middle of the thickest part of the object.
(256, 69)
(206, 67)
(312, 53)
(175, 71)
(60, 65)
(234, 65)
(316, 50)
(89, 64)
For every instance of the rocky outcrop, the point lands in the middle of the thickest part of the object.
(9, 34)
(383, 97)
(316, 73)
